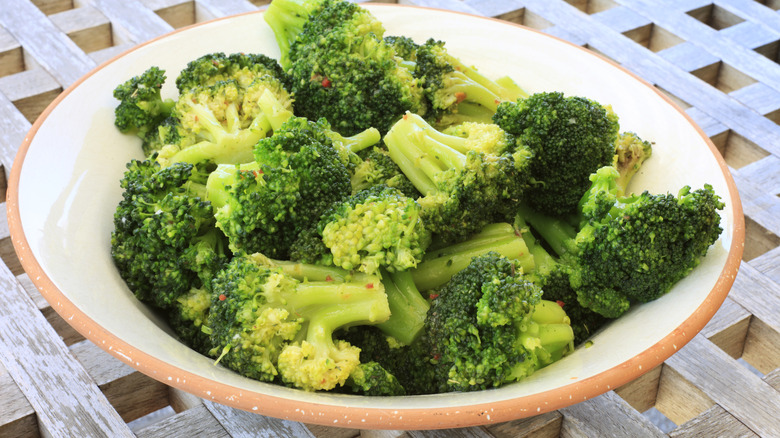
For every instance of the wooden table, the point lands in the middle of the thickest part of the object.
(718, 59)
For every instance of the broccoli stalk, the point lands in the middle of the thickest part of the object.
(439, 265)
(286, 18)
(408, 308)
(465, 185)
(268, 324)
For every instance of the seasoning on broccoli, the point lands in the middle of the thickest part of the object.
(270, 325)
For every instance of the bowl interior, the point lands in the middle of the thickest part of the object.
(62, 223)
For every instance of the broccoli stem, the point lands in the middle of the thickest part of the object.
(438, 266)
(557, 233)
(286, 19)
(424, 159)
(361, 140)
(273, 110)
(408, 308)
(338, 304)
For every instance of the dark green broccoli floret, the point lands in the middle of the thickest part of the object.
(263, 205)
(373, 379)
(637, 248)
(270, 324)
(244, 68)
(489, 326)
(570, 137)
(141, 106)
(455, 92)
(375, 228)
(466, 183)
(339, 66)
(165, 242)
(188, 316)
(377, 168)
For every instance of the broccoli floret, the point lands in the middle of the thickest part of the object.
(442, 262)
(164, 241)
(455, 92)
(375, 228)
(632, 248)
(188, 316)
(141, 106)
(378, 168)
(270, 324)
(408, 308)
(465, 184)
(243, 68)
(263, 205)
(339, 66)
(221, 123)
(570, 137)
(373, 379)
(489, 326)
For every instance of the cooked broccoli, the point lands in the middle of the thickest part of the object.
(339, 66)
(375, 228)
(455, 92)
(378, 168)
(570, 137)
(632, 248)
(440, 263)
(187, 317)
(272, 325)
(263, 205)
(221, 123)
(465, 184)
(243, 68)
(489, 326)
(373, 379)
(141, 106)
(408, 308)
(164, 241)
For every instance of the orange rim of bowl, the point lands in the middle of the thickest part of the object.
(365, 417)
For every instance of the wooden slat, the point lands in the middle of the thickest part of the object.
(50, 47)
(66, 400)
(604, 415)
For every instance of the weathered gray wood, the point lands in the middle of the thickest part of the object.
(210, 9)
(755, 404)
(240, 423)
(65, 398)
(194, 422)
(50, 47)
(13, 128)
(131, 20)
(606, 415)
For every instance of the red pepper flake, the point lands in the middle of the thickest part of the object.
(370, 286)
(406, 116)
(328, 278)
(460, 96)
(433, 296)
(222, 297)
(257, 173)
(436, 356)
(325, 83)
(560, 303)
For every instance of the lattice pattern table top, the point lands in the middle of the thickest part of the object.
(718, 59)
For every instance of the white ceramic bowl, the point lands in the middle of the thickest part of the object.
(64, 187)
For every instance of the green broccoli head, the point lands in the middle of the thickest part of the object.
(141, 106)
(570, 137)
(375, 228)
(222, 122)
(268, 324)
(339, 66)
(489, 326)
(464, 183)
(372, 379)
(188, 317)
(164, 241)
(243, 68)
(643, 246)
(296, 175)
